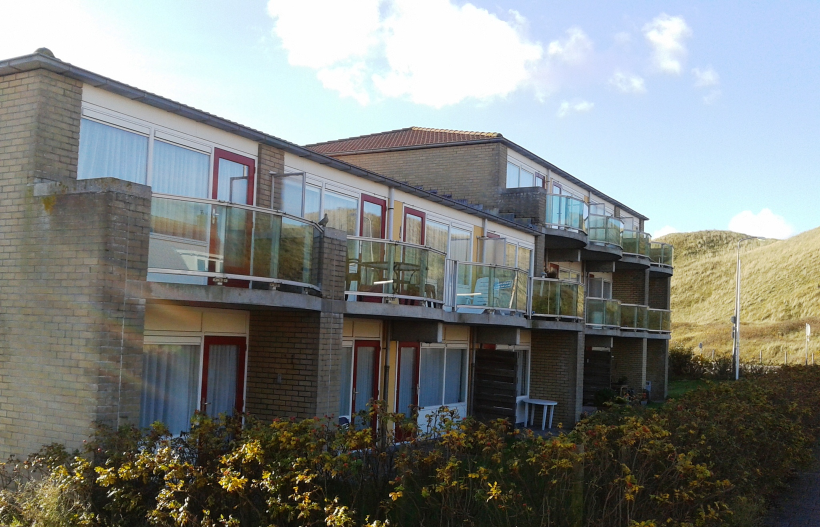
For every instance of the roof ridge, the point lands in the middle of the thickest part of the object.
(364, 135)
(450, 131)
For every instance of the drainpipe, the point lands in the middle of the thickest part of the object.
(390, 212)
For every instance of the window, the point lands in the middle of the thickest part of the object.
(108, 151)
(233, 177)
(414, 226)
(290, 194)
(600, 288)
(460, 244)
(436, 235)
(312, 203)
(522, 372)
(524, 258)
(373, 212)
(341, 212)
(442, 376)
(521, 177)
(180, 171)
(346, 384)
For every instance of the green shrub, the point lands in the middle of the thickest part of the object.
(710, 458)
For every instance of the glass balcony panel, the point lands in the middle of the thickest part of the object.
(603, 312)
(636, 242)
(661, 253)
(605, 229)
(394, 268)
(659, 320)
(521, 285)
(490, 287)
(565, 211)
(558, 298)
(201, 239)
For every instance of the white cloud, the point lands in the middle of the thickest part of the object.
(431, 52)
(573, 49)
(579, 106)
(663, 231)
(666, 35)
(765, 223)
(628, 83)
(705, 78)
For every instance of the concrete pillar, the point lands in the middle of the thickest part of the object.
(557, 372)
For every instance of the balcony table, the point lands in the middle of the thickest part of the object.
(549, 406)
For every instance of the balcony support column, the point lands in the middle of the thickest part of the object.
(657, 371)
(629, 360)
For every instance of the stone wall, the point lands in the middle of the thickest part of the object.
(557, 372)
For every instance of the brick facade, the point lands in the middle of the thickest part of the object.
(70, 339)
(657, 360)
(557, 372)
(629, 286)
(472, 172)
(270, 160)
(629, 360)
(659, 292)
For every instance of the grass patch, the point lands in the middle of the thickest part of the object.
(682, 386)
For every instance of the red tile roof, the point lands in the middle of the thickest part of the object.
(413, 136)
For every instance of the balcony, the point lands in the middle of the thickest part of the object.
(557, 299)
(382, 270)
(603, 313)
(633, 317)
(659, 320)
(478, 288)
(206, 242)
(661, 256)
(565, 224)
(605, 238)
(636, 248)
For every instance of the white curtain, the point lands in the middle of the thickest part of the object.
(431, 376)
(460, 245)
(106, 151)
(222, 363)
(233, 183)
(170, 385)
(180, 171)
(455, 376)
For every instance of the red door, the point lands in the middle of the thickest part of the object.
(232, 227)
(223, 376)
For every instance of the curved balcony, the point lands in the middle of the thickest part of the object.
(207, 242)
(379, 270)
(557, 299)
(477, 287)
(661, 256)
(605, 238)
(603, 313)
(659, 320)
(636, 250)
(633, 317)
(565, 224)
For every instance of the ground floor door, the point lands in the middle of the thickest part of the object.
(365, 385)
(407, 382)
(597, 371)
(495, 386)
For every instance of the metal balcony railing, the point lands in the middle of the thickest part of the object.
(633, 317)
(379, 269)
(659, 320)
(605, 229)
(636, 242)
(486, 287)
(554, 298)
(199, 241)
(565, 212)
(603, 313)
(661, 253)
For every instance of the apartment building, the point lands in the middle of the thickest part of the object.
(159, 260)
(592, 259)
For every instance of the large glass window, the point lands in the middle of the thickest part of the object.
(512, 175)
(180, 171)
(526, 179)
(460, 244)
(442, 376)
(437, 235)
(312, 203)
(291, 198)
(170, 391)
(373, 210)
(524, 258)
(600, 288)
(107, 151)
(346, 383)
(341, 212)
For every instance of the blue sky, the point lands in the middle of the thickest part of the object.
(699, 114)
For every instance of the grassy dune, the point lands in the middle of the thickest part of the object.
(780, 286)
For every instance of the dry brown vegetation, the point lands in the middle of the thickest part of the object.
(781, 293)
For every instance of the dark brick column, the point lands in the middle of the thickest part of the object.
(557, 372)
(629, 360)
(270, 160)
(657, 367)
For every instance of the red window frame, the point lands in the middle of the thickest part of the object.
(236, 158)
(375, 201)
(377, 352)
(419, 214)
(241, 344)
